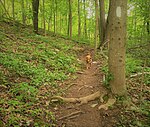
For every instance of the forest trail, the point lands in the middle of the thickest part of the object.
(85, 115)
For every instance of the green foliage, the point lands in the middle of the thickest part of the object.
(27, 62)
(24, 92)
(108, 77)
(132, 65)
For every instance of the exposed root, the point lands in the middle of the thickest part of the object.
(83, 100)
(109, 103)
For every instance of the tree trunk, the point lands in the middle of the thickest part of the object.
(79, 20)
(102, 21)
(44, 24)
(96, 24)
(35, 7)
(148, 27)
(117, 35)
(70, 18)
(13, 9)
(23, 12)
(54, 16)
(85, 27)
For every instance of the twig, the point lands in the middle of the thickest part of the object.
(70, 115)
(101, 49)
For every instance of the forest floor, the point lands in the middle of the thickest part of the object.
(88, 82)
(34, 68)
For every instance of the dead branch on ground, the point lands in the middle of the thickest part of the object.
(139, 74)
(71, 115)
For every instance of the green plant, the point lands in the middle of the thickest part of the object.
(24, 92)
(108, 77)
(132, 65)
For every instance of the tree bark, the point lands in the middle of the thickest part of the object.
(102, 22)
(35, 7)
(117, 35)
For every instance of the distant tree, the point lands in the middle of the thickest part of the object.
(43, 13)
(117, 20)
(70, 18)
(35, 8)
(96, 24)
(23, 12)
(79, 20)
(13, 9)
(85, 17)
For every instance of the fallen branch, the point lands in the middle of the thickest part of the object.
(72, 115)
(138, 74)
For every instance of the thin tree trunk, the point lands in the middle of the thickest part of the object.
(23, 12)
(79, 20)
(148, 27)
(35, 7)
(85, 27)
(44, 24)
(13, 9)
(54, 16)
(70, 18)
(96, 25)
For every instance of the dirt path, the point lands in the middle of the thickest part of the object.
(86, 115)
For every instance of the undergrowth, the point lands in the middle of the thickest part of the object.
(28, 63)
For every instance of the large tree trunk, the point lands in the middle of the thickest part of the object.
(35, 7)
(117, 35)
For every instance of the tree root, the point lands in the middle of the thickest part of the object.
(83, 100)
(86, 99)
(109, 103)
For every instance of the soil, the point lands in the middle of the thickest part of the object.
(86, 115)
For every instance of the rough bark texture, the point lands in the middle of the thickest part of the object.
(35, 7)
(117, 35)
